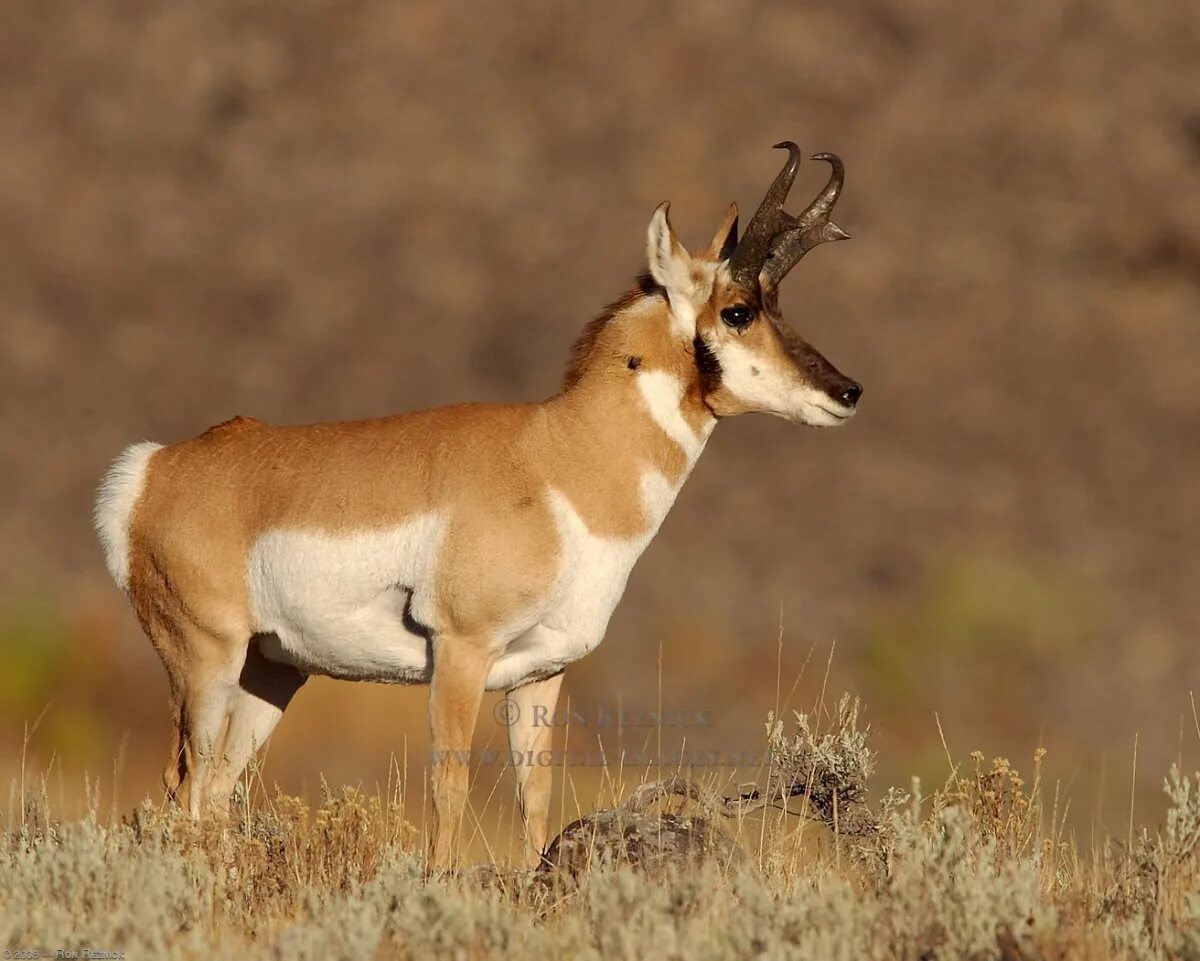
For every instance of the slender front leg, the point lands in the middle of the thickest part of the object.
(460, 669)
(530, 735)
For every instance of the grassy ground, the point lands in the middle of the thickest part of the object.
(979, 868)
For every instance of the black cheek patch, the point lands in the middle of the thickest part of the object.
(707, 366)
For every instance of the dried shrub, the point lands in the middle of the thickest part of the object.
(964, 873)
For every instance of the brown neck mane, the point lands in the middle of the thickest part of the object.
(583, 348)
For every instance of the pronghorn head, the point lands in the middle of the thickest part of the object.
(725, 298)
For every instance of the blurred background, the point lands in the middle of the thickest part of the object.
(324, 210)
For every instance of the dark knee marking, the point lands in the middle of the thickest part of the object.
(269, 680)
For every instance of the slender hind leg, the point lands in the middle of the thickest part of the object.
(203, 646)
(205, 712)
(530, 735)
(460, 668)
(265, 688)
(176, 769)
(194, 721)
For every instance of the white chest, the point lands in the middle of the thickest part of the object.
(593, 569)
(591, 578)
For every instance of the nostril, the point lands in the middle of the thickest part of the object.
(851, 395)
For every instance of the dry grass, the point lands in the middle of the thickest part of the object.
(977, 869)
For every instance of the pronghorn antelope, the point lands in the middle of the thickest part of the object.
(476, 547)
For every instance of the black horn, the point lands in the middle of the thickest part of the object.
(775, 241)
(755, 245)
(813, 227)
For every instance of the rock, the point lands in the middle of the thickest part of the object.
(649, 841)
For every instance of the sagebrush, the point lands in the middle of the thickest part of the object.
(977, 869)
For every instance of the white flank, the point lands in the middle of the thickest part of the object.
(359, 605)
(118, 493)
(353, 605)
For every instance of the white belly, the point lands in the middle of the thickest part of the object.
(356, 606)
(360, 606)
(351, 606)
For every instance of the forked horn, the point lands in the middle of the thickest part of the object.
(775, 241)
(813, 227)
(755, 246)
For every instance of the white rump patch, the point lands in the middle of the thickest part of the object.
(115, 499)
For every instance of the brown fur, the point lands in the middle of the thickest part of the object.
(581, 350)
(206, 501)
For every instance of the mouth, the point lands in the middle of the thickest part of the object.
(818, 415)
(820, 410)
(839, 415)
(821, 415)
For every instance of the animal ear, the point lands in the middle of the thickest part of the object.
(725, 240)
(670, 264)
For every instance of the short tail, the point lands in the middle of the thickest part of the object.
(115, 500)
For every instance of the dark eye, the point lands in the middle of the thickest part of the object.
(738, 317)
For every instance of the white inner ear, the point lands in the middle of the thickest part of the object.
(671, 265)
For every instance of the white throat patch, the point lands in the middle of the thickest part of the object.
(662, 394)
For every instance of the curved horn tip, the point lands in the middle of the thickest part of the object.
(829, 158)
(789, 145)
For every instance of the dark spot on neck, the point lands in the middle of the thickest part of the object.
(707, 366)
(635, 363)
(581, 352)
